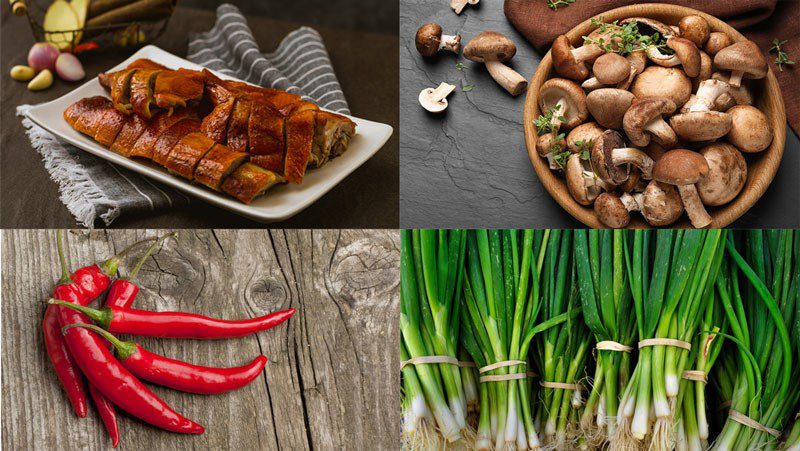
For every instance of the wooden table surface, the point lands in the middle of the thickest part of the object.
(365, 63)
(332, 376)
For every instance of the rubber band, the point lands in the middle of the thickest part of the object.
(695, 375)
(429, 359)
(502, 377)
(560, 385)
(467, 364)
(501, 364)
(665, 342)
(610, 345)
(743, 419)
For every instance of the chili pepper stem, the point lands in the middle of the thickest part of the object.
(62, 258)
(124, 348)
(110, 266)
(102, 317)
(147, 254)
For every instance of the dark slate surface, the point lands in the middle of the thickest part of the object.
(469, 167)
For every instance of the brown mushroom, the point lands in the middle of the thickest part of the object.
(743, 59)
(705, 71)
(633, 183)
(611, 157)
(582, 183)
(649, 27)
(643, 120)
(611, 68)
(430, 40)
(551, 146)
(435, 100)
(707, 94)
(684, 168)
(570, 62)
(582, 137)
(493, 49)
(701, 125)
(566, 99)
(608, 106)
(686, 55)
(637, 61)
(458, 5)
(717, 41)
(614, 211)
(695, 29)
(661, 204)
(727, 172)
(740, 95)
(750, 131)
(657, 81)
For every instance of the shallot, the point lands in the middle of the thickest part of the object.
(69, 68)
(42, 55)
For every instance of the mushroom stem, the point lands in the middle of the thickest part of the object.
(694, 206)
(707, 94)
(442, 91)
(661, 131)
(450, 43)
(587, 52)
(593, 181)
(632, 202)
(507, 77)
(559, 110)
(591, 84)
(631, 155)
(736, 78)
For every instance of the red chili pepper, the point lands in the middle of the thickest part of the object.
(107, 413)
(123, 291)
(175, 324)
(177, 374)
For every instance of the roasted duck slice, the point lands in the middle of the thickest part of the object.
(84, 114)
(250, 181)
(109, 126)
(131, 131)
(332, 134)
(142, 84)
(185, 156)
(121, 90)
(217, 165)
(238, 125)
(177, 88)
(299, 139)
(297, 107)
(266, 133)
(106, 78)
(215, 125)
(220, 91)
(167, 141)
(143, 148)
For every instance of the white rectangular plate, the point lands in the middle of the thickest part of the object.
(279, 203)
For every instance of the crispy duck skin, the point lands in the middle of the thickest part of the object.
(250, 181)
(142, 91)
(121, 90)
(238, 124)
(217, 165)
(106, 78)
(127, 137)
(109, 126)
(298, 107)
(83, 114)
(143, 148)
(266, 133)
(299, 139)
(167, 141)
(185, 156)
(178, 88)
(215, 124)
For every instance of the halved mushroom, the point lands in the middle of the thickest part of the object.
(493, 49)
(727, 172)
(608, 106)
(743, 59)
(686, 55)
(701, 125)
(570, 62)
(750, 131)
(705, 71)
(430, 40)
(657, 81)
(582, 183)
(435, 100)
(458, 5)
(643, 120)
(611, 157)
(608, 69)
(582, 137)
(695, 29)
(549, 146)
(566, 99)
(614, 211)
(661, 205)
(717, 41)
(683, 168)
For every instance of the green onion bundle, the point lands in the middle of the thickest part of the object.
(608, 311)
(418, 425)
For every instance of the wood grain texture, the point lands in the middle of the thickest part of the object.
(332, 376)
(762, 167)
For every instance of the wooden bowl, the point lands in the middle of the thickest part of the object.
(761, 167)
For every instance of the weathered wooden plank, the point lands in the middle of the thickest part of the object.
(331, 381)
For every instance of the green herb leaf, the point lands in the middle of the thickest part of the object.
(781, 57)
(554, 4)
(459, 66)
(467, 88)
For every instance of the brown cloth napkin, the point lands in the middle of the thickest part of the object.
(759, 20)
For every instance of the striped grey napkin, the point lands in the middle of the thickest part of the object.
(93, 189)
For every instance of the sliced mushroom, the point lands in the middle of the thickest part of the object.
(657, 81)
(566, 99)
(582, 137)
(493, 49)
(611, 157)
(716, 42)
(614, 211)
(608, 106)
(661, 204)
(743, 59)
(701, 125)
(548, 146)
(458, 5)
(430, 40)
(695, 29)
(750, 131)
(435, 100)
(582, 183)
(643, 120)
(727, 172)
(683, 168)
(570, 62)
(686, 55)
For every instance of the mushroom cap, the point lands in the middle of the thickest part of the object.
(586, 132)
(637, 60)
(662, 204)
(701, 125)
(429, 38)
(695, 29)
(611, 211)
(717, 41)
(564, 62)
(576, 184)
(427, 101)
(555, 89)
(680, 167)
(641, 113)
(727, 172)
(687, 53)
(490, 46)
(741, 95)
(602, 163)
(657, 81)
(742, 56)
(705, 71)
(546, 142)
(608, 106)
(611, 68)
(648, 26)
(632, 182)
(750, 131)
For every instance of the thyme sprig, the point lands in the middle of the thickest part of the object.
(624, 39)
(544, 123)
(584, 148)
(781, 57)
(554, 4)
